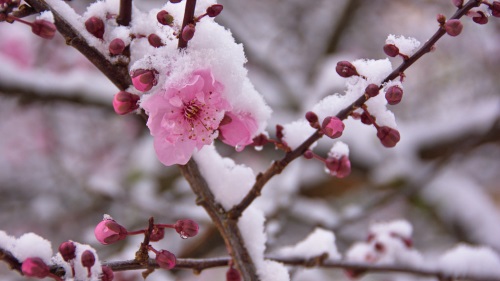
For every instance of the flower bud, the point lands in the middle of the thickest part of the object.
(116, 47)
(164, 18)
(333, 127)
(107, 274)
(125, 102)
(157, 234)
(308, 154)
(155, 40)
(339, 167)
(366, 119)
(311, 117)
(372, 90)
(144, 79)
(346, 69)
(232, 274)
(35, 267)
(495, 9)
(391, 50)
(109, 231)
(441, 19)
(95, 26)
(67, 250)
(279, 132)
(260, 140)
(214, 10)
(165, 259)
(388, 136)
(88, 260)
(458, 3)
(394, 95)
(186, 228)
(43, 28)
(188, 32)
(481, 18)
(453, 27)
(175, 1)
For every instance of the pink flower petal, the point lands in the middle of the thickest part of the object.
(238, 129)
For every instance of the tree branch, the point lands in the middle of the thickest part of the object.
(278, 166)
(188, 18)
(125, 15)
(117, 73)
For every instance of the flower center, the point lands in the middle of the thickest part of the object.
(191, 111)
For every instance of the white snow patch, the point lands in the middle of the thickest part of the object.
(318, 242)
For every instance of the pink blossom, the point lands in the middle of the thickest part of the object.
(237, 130)
(185, 117)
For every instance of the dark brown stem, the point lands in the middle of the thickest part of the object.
(188, 18)
(8, 258)
(117, 73)
(142, 256)
(228, 228)
(278, 166)
(125, 14)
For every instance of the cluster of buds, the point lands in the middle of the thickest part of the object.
(388, 136)
(336, 165)
(108, 231)
(36, 267)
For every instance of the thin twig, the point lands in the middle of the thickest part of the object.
(188, 18)
(278, 166)
(125, 15)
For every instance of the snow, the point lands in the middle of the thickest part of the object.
(81, 271)
(46, 15)
(466, 260)
(400, 227)
(228, 181)
(407, 46)
(6, 241)
(338, 150)
(297, 132)
(374, 70)
(318, 242)
(32, 245)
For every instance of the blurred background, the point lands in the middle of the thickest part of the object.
(66, 158)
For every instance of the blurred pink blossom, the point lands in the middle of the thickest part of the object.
(186, 117)
(238, 130)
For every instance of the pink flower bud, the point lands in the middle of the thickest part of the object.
(311, 117)
(188, 32)
(366, 119)
(43, 28)
(339, 167)
(165, 259)
(391, 50)
(186, 228)
(175, 1)
(67, 250)
(260, 140)
(144, 79)
(372, 90)
(333, 127)
(279, 132)
(458, 3)
(214, 10)
(346, 69)
(164, 18)
(233, 274)
(308, 154)
(495, 9)
(453, 27)
(116, 47)
(155, 40)
(394, 95)
(107, 274)
(481, 18)
(441, 19)
(88, 260)
(95, 26)
(109, 231)
(35, 267)
(157, 234)
(125, 102)
(388, 136)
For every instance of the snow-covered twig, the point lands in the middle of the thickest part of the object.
(278, 166)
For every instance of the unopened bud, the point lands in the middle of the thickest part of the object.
(95, 26)
(164, 18)
(157, 234)
(458, 3)
(232, 274)
(35, 267)
(107, 274)
(125, 102)
(339, 167)
(372, 90)
(155, 40)
(346, 69)
(441, 19)
(43, 28)
(116, 47)
(67, 250)
(481, 18)
(186, 228)
(366, 118)
(312, 118)
(388, 136)
(260, 140)
(88, 260)
(333, 127)
(109, 231)
(279, 132)
(391, 50)
(308, 154)
(166, 259)
(394, 95)
(495, 9)
(453, 27)
(144, 79)
(175, 1)
(188, 32)
(214, 10)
